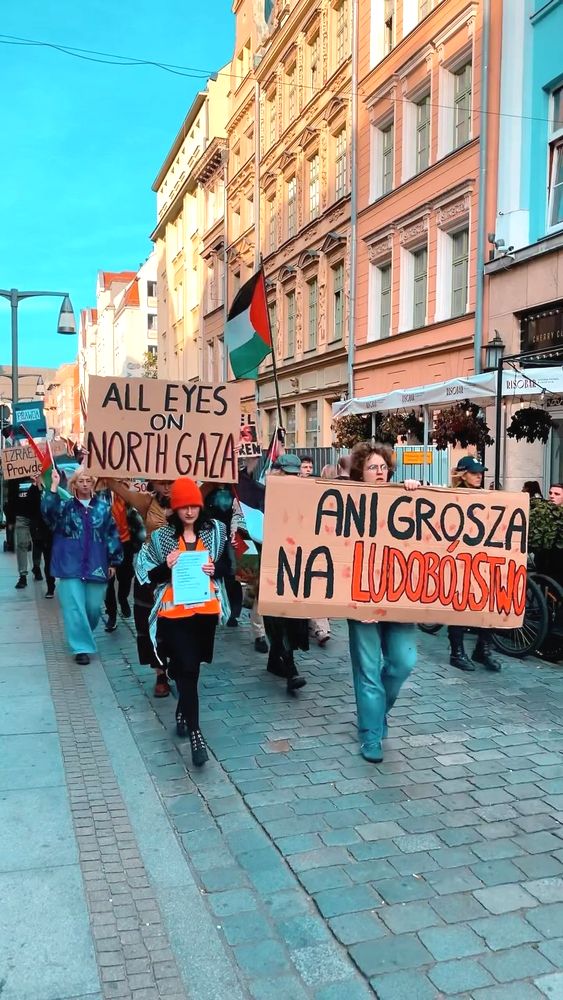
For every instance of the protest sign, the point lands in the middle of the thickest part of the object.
(161, 430)
(347, 550)
(249, 444)
(32, 417)
(20, 463)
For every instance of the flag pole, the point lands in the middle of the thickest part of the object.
(274, 363)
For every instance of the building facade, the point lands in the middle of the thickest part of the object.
(123, 327)
(421, 105)
(62, 403)
(525, 272)
(190, 242)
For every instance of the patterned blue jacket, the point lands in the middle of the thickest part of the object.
(85, 539)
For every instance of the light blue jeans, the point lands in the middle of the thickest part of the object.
(383, 655)
(81, 605)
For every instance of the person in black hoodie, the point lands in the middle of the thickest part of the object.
(219, 507)
(23, 510)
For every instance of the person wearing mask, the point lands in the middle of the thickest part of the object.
(306, 467)
(468, 474)
(86, 552)
(185, 633)
(286, 635)
(555, 494)
(219, 507)
(383, 654)
(343, 467)
(153, 508)
(23, 511)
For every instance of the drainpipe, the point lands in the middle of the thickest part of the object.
(482, 201)
(353, 201)
(257, 142)
(225, 161)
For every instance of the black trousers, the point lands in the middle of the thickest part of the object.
(187, 642)
(456, 635)
(124, 577)
(234, 593)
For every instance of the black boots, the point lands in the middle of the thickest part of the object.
(482, 654)
(199, 748)
(282, 665)
(458, 656)
(22, 582)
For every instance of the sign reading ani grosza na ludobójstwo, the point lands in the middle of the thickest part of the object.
(347, 550)
(162, 429)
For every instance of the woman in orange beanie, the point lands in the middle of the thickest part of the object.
(185, 633)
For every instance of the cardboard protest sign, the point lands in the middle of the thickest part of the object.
(161, 430)
(249, 445)
(20, 462)
(347, 550)
(32, 417)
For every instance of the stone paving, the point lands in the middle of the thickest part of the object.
(288, 868)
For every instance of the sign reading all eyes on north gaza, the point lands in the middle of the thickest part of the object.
(155, 429)
(348, 550)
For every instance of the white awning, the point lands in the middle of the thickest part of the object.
(478, 388)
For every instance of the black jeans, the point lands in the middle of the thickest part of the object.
(124, 577)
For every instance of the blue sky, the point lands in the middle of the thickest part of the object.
(82, 143)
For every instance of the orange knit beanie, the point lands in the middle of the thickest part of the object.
(185, 493)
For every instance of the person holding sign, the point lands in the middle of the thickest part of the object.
(469, 475)
(382, 653)
(179, 562)
(86, 552)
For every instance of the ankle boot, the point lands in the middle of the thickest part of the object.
(482, 654)
(181, 726)
(458, 656)
(199, 748)
(22, 582)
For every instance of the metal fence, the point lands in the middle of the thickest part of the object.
(434, 467)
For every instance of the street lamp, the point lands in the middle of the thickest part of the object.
(65, 325)
(40, 388)
(494, 352)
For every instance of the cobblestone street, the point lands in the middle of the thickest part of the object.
(288, 868)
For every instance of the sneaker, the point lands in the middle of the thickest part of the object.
(372, 752)
(232, 623)
(322, 638)
(50, 593)
(37, 574)
(82, 659)
(111, 625)
(199, 748)
(125, 608)
(294, 683)
(22, 582)
(161, 687)
(260, 645)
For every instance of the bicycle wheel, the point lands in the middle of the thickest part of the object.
(552, 646)
(430, 629)
(528, 637)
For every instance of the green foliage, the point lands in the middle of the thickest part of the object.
(150, 365)
(350, 429)
(463, 424)
(546, 526)
(530, 424)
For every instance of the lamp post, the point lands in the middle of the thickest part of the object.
(494, 361)
(66, 324)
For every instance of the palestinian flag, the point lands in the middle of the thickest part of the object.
(247, 334)
(275, 449)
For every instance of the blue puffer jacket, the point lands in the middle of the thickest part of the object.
(85, 539)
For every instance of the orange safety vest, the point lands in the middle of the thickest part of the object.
(170, 610)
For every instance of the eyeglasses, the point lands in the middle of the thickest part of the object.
(377, 468)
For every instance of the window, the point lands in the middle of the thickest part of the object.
(422, 133)
(311, 425)
(272, 225)
(152, 349)
(151, 321)
(312, 313)
(291, 207)
(211, 286)
(151, 289)
(236, 158)
(460, 262)
(385, 300)
(290, 324)
(273, 316)
(314, 65)
(210, 372)
(424, 8)
(289, 425)
(338, 301)
(250, 210)
(179, 301)
(272, 416)
(236, 222)
(340, 164)
(291, 84)
(388, 25)
(221, 357)
(236, 282)
(341, 35)
(387, 159)
(462, 105)
(420, 262)
(314, 187)
(272, 120)
(555, 204)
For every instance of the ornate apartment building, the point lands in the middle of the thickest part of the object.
(419, 235)
(189, 240)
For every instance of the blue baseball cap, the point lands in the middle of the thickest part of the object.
(470, 464)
